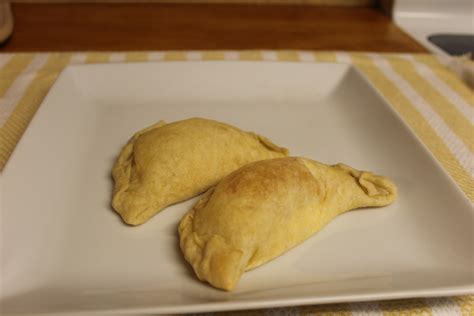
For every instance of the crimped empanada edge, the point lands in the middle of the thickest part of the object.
(122, 168)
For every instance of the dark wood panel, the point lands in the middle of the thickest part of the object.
(148, 26)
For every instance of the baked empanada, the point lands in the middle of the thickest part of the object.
(265, 208)
(168, 163)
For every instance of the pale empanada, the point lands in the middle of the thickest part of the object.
(265, 208)
(168, 163)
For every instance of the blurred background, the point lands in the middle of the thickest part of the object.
(441, 26)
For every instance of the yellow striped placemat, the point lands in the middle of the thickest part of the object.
(433, 101)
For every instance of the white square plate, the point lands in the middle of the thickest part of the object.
(65, 250)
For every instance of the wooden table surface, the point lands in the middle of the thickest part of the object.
(147, 26)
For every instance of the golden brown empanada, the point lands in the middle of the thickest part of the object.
(265, 208)
(168, 163)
